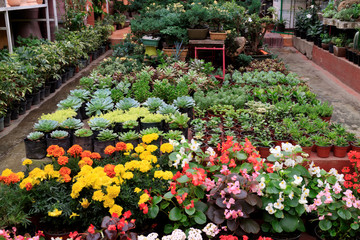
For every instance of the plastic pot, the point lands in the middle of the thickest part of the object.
(15, 113)
(29, 100)
(36, 98)
(58, 83)
(35, 149)
(158, 125)
(42, 93)
(7, 119)
(340, 151)
(47, 91)
(64, 143)
(323, 152)
(52, 85)
(22, 107)
(85, 142)
(264, 151)
(2, 124)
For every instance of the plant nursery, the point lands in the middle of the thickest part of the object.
(174, 120)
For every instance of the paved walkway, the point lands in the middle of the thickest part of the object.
(346, 101)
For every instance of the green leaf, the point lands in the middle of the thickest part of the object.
(153, 211)
(172, 156)
(168, 195)
(190, 211)
(164, 205)
(241, 156)
(289, 223)
(200, 206)
(325, 225)
(265, 227)
(247, 166)
(271, 158)
(214, 168)
(279, 214)
(276, 226)
(331, 179)
(354, 226)
(175, 214)
(199, 192)
(183, 179)
(199, 217)
(168, 228)
(300, 209)
(156, 199)
(344, 213)
(301, 226)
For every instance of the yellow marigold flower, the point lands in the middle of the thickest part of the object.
(116, 209)
(126, 154)
(27, 162)
(151, 148)
(129, 147)
(166, 175)
(128, 175)
(108, 201)
(134, 155)
(166, 148)
(20, 175)
(144, 155)
(98, 196)
(151, 158)
(145, 166)
(148, 138)
(85, 203)
(139, 149)
(73, 215)
(113, 191)
(119, 169)
(82, 163)
(144, 198)
(55, 213)
(137, 190)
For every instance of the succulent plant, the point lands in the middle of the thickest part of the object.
(179, 121)
(59, 134)
(184, 102)
(46, 125)
(83, 94)
(127, 103)
(83, 132)
(150, 131)
(102, 93)
(97, 124)
(34, 136)
(98, 105)
(167, 109)
(107, 135)
(173, 135)
(153, 104)
(70, 102)
(72, 123)
(129, 136)
(130, 124)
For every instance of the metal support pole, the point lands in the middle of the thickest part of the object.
(223, 62)
(47, 20)
(8, 31)
(55, 15)
(107, 6)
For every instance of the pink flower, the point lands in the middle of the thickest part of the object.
(321, 218)
(225, 170)
(209, 184)
(337, 188)
(318, 202)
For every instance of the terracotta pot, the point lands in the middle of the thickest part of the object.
(339, 51)
(326, 119)
(307, 150)
(14, 3)
(171, 51)
(279, 142)
(323, 152)
(218, 36)
(340, 151)
(264, 151)
(355, 148)
(197, 34)
(39, 1)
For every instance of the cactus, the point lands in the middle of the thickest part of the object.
(356, 40)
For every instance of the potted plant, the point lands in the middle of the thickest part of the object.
(35, 145)
(306, 144)
(180, 122)
(71, 125)
(98, 124)
(130, 137)
(264, 144)
(46, 125)
(167, 109)
(341, 146)
(152, 120)
(186, 105)
(130, 125)
(60, 138)
(126, 104)
(173, 135)
(323, 146)
(196, 17)
(325, 40)
(153, 104)
(280, 25)
(339, 47)
(218, 16)
(355, 145)
(105, 138)
(71, 102)
(96, 106)
(83, 137)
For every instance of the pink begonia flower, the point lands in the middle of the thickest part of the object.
(321, 218)
(234, 187)
(225, 170)
(349, 203)
(329, 214)
(222, 194)
(348, 193)
(209, 184)
(337, 188)
(233, 178)
(318, 202)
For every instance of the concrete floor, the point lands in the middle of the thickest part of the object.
(346, 104)
(12, 147)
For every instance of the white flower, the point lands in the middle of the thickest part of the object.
(303, 200)
(320, 183)
(174, 143)
(250, 20)
(277, 166)
(177, 161)
(282, 184)
(291, 195)
(182, 151)
(297, 180)
(276, 151)
(210, 151)
(183, 140)
(333, 172)
(279, 205)
(194, 145)
(299, 159)
(289, 162)
(314, 170)
(305, 192)
(178, 234)
(308, 16)
(311, 6)
(287, 147)
(340, 178)
(194, 234)
(262, 185)
(281, 198)
(211, 230)
(270, 208)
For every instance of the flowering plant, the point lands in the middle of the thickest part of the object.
(352, 174)
(284, 190)
(11, 235)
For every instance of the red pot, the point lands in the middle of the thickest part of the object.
(326, 119)
(323, 152)
(307, 150)
(264, 151)
(340, 151)
(279, 142)
(355, 148)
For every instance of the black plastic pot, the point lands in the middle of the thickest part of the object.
(64, 77)
(85, 142)
(35, 149)
(102, 50)
(71, 71)
(15, 112)
(64, 143)
(158, 125)
(42, 93)
(52, 85)
(71, 135)
(29, 100)
(99, 146)
(83, 111)
(94, 55)
(303, 35)
(189, 111)
(133, 142)
(2, 124)
(58, 83)
(47, 91)
(22, 107)
(331, 48)
(7, 119)
(118, 128)
(36, 98)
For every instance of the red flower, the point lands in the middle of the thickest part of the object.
(111, 228)
(63, 160)
(75, 150)
(85, 154)
(28, 186)
(109, 150)
(109, 170)
(346, 170)
(95, 155)
(232, 163)
(127, 214)
(144, 208)
(120, 146)
(91, 229)
(64, 171)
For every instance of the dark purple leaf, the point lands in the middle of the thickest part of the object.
(242, 195)
(252, 199)
(232, 224)
(220, 202)
(95, 236)
(249, 226)
(110, 234)
(219, 216)
(210, 212)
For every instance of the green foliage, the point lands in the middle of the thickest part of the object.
(71, 123)
(83, 132)
(46, 125)
(97, 124)
(71, 102)
(59, 134)
(34, 136)
(106, 135)
(96, 106)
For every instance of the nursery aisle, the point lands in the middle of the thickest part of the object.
(12, 148)
(346, 102)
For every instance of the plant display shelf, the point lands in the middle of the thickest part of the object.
(7, 27)
(341, 24)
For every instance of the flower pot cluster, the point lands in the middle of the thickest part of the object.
(39, 68)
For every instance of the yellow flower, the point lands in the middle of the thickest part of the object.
(113, 191)
(27, 162)
(139, 149)
(148, 138)
(85, 203)
(6, 172)
(73, 215)
(151, 148)
(129, 147)
(55, 213)
(166, 175)
(137, 190)
(116, 209)
(108, 201)
(166, 148)
(144, 198)
(128, 175)
(98, 196)
(20, 175)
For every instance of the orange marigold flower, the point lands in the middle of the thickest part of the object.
(88, 161)
(75, 150)
(120, 146)
(85, 154)
(58, 152)
(63, 160)
(11, 178)
(66, 178)
(109, 170)
(109, 150)
(51, 149)
(95, 155)
(64, 171)
(28, 186)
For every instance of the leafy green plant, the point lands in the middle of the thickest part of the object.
(173, 135)
(83, 132)
(70, 102)
(106, 135)
(127, 103)
(83, 94)
(71, 123)
(97, 124)
(341, 141)
(323, 141)
(129, 136)
(46, 125)
(131, 124)
(59, 134)
(167, 109)
(178, 121)
(34, 136)
(96, 106)
(150, 131)
(184, 102)
(153, 104)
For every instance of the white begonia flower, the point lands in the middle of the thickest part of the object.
(303, 200)
(182, 151)
(311, 6)
(333, 172)
(174, 143)
(281, 198)
(210, 151)
(287, 147)
(178, 234)
(262, 185)
(320, 183)
(299, 159)
(249, 20)
(297, 180)
(289, 162)
(177, 161)
(282, 184)
(291, 195)
(308, 16)
(277, 166)
(279, 205)
(194, 145)
(340, 178)
(183, 139)
(270, 208)
(276, 151)
(305, 192)
(211, 230)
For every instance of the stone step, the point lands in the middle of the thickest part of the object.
(118, 36)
